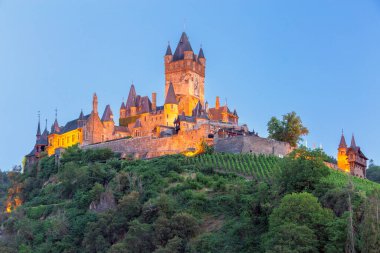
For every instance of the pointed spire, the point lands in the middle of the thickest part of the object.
(353, 143)
(342, 143)
(131, 97)
(168, 50)
(122, 105)
(81, 116)
(38, 127)
(55, 127)
(200, 54)
(107, 115)
(45, 132)
(170, 96)
(183, 45)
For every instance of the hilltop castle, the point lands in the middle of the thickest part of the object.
(185, 116)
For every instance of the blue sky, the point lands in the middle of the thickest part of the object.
(319, 58)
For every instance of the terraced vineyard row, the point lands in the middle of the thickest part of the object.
(263, 167)
(259, 167)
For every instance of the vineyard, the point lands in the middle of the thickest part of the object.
(263, 167)
(259, 167)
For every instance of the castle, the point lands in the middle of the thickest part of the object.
(180, 125)
(185, 116)
(351, 159)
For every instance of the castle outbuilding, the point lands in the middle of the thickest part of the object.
(351, 159)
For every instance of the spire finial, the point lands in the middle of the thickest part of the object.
(45, 123)
(56, 112)
(39, 115)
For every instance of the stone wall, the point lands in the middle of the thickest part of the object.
(251, 144)
(148, 146)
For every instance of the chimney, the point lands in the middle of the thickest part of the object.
(154, 101)
(217, 103)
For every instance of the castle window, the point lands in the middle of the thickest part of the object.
(73, 138)
(167, 116)
(171, 106)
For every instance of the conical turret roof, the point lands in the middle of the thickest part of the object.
(183, 45)
(342, 143)
(168, 50)
(170, 96)
(131, 97)
(107, 115)
(353, 143)
(200, 54)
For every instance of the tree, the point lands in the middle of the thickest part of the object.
(298, 212)
(301, 171)
(290, 129)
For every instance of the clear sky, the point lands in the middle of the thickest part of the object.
(319, 58)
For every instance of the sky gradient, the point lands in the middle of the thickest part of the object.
(318, 58)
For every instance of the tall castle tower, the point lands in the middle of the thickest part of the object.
(186, 71)
(342, 155)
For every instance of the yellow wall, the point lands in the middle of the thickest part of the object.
(64, 140)
(170, 114)
(342, 160)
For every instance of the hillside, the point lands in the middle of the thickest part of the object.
(94, 202)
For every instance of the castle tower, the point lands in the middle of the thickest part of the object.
(131, 101)
(170, 106)
(122, 110)
(342, 155)
(186, 71)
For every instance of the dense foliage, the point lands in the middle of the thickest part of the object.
(373, 173)
(289, 129)
(94, 202)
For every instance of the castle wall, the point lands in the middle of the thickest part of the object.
(148, 147)
(252, 144)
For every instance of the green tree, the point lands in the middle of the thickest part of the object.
(290, 129)
(301, 171)
(306, 214)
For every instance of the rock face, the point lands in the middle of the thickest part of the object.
(105, 202)
(252, 144)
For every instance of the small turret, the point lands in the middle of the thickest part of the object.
(168, 54)
(201, 57)
(342, 154)
(170, 106)
(122, 110)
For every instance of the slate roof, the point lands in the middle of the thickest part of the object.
(353, 143)
(122, 105)
(183, 45)
(342, 143)
(72, 125)
(121, 129)
(170, 96)
(200, 54)
(168, 51)
(55, 127)
(38, 129)
(131, 101)
(137, 123)
(107, 115)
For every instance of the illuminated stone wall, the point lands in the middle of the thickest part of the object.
(252, 144)
(148, 147)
